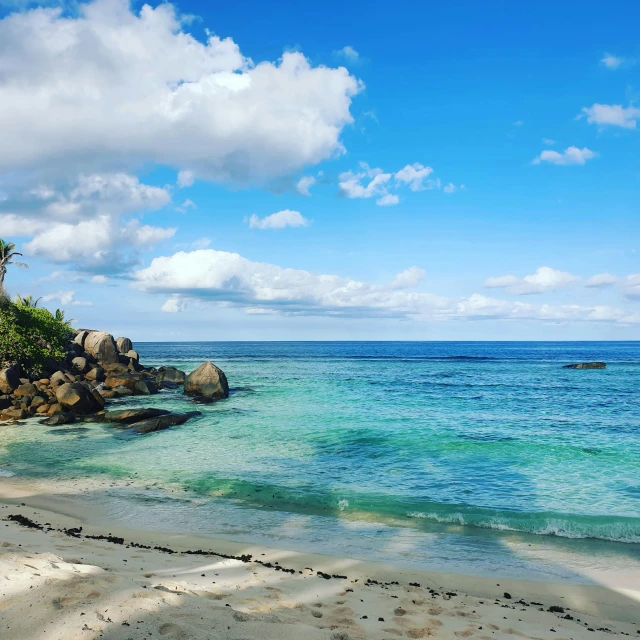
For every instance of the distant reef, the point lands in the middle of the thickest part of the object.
(586, 365)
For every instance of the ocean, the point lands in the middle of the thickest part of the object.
(471, 456)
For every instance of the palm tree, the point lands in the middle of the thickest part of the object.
(7, 255)
(27, 301)
(59, 316)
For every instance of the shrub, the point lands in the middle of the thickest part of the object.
(31, 336)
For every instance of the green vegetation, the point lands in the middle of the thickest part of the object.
(29, 335)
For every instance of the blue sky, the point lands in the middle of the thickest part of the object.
(244, 171)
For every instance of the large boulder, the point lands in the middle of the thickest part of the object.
(57, 379)
(126, 416)
(163, 422)
(81, 336)
(80, 364)
(124, 345)
(101, 346)
(78, 398)
(207, 383)
(586, 365)
(9, 379)
(27, 389)
(170, 374)
(96, 374)
(66, 417)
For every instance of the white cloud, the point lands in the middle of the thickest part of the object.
(544, 279)
(99, 279)
(201, 243)
(611, 62)
(67, 298)
(449, 188)
(279, 220)
(571, 155)
(111, 87)
(414, 175)
(630, 286)
(408, 278)
(388, 200)
(612, 115)
(185, 178)
(304, 184)
(173, 305)
(348, 53)
(186, 205)
(218, 277)
(548, 141)
(601, 280)
(375, 183)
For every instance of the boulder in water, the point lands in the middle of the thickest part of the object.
(163, 422)
(207, 383)
(78, 398)
(126, 416)
(586, 365)
(170, 374)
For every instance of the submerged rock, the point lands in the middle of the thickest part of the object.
(60, 418)
(170, 374)
(125, 416)
(586, 365)
(207, 383)
(163, 422)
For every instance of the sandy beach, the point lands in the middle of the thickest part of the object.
(63, 578)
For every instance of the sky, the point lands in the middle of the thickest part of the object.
(245, 171)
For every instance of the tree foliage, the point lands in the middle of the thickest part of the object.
(31, 336)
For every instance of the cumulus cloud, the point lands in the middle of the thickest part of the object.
(415, 175)
(449, 188)
(611, 62)
(84, 222)
(229, 279)
(348, 53)
(67, 298)
(601, 280)
(630, 286)
(571, 155)
(614, 115)
(279, 220)
(201, 243)
(544, 279)
(304, 184)
(371, 182)
(115, 87)
(185, 178)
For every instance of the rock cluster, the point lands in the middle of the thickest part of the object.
(98, 368)
(586, 365)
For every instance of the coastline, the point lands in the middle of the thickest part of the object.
(167, 590)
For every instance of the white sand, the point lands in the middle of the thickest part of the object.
(58, 587)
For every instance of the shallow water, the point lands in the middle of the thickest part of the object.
(438, 452)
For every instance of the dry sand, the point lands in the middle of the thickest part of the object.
(54, 585)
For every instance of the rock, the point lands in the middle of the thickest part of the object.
(13, 414)
(207, 383)
(133, 355)
(65, 417)
(9, 379)
(37, 402)
(163, 422)
(79, 364)
(26, 389)
(586, 365)
(121, 380)
(5, 402)
(170, 374)
(122, 391)
(77, 398)
(124, 345)
(101, 346)
(116, 368)
(126, 416)
(81, 336)
(43, 408)
(57, 379)
(54, 408)
(165, 384)
(109, 394)
(96, 374)
(145, 388)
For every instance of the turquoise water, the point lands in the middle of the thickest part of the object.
(411, 438)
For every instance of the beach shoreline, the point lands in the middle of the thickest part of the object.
(303, 581)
